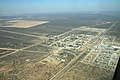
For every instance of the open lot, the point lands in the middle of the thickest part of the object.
(24, 23)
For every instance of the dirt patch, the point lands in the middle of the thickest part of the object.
(24, 23)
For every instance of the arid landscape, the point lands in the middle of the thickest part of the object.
(30, 51)
(59, 40)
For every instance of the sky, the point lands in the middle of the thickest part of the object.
(9, 7)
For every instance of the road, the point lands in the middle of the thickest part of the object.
(19, 50)
(78, 29)
(7, 49)
(21, 33)
(16, 50)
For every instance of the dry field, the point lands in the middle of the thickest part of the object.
(81, 71)
(42, 70)
(24, 23)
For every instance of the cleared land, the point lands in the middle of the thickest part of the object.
(24, 23)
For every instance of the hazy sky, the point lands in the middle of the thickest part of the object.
(44, 6)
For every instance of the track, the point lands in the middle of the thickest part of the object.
(21, 33)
